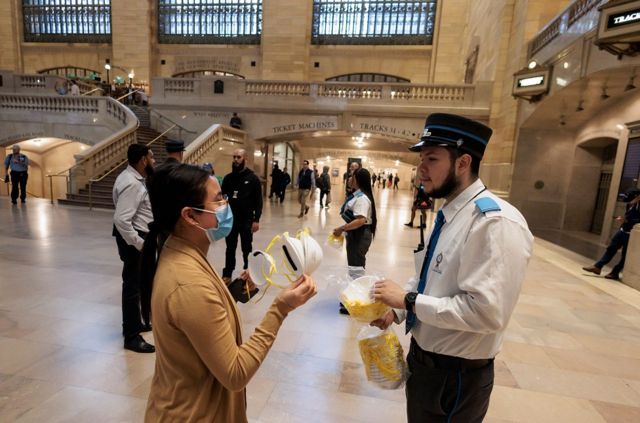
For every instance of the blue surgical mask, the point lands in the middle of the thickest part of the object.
(224, 215)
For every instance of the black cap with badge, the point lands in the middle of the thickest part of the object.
(445, 130)
(174, 146)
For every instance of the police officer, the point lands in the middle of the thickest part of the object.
(19, 164)
(244, 191)
(459, 304)
(175, 151)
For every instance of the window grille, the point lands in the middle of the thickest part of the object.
(209, 21)
(80, 21)
(373, 22)
(367, 77)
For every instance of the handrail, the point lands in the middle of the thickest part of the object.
(161, 116)
(92, 180)
(128, 94)
(92, 91)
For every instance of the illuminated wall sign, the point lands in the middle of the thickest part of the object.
(619, 22)
(531, 82)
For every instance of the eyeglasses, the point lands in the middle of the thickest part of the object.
(218, 203)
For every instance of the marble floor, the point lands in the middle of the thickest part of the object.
(572, 350)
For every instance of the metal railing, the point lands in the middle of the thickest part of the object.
(92, 91)
(180, 127)
(117, 166)
(562, 23)
(4, 182)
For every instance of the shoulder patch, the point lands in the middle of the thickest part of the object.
(487, 204)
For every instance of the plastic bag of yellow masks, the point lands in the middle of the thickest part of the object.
(357, 299)
(383, 357)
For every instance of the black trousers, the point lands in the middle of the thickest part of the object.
(619, 240)
(19, 180)
(358, 243)
(322, 194)
(447, 389)
(242, 228)
(132, 314)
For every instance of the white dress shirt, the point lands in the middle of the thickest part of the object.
(133, 208)
(360, 205)
(474, 278)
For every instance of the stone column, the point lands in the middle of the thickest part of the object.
(286, 41)
(132, 37)
(10, 29)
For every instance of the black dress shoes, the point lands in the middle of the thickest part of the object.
(139, 345)
(146, 327)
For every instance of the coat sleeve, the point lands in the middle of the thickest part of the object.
(201, 315)
(257, 200)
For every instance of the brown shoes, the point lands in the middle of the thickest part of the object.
(612, 276)
(592, 269)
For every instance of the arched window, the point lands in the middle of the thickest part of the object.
(201, 73)
(209, 21)
(373, 22)
(367, 77)
(68, 21)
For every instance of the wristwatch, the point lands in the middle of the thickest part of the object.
(410, 300)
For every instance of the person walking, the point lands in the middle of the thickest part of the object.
(620, 239)
(284, 182)
(175, 151)
(244, 191)
(18, 163)
(305, 183)
(359, 213)
(325, 186)
(396, 179)
(458, 307)
(423, 203)
(276, 180)
(130, 226)
(203, 362)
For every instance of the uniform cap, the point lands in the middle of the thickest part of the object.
(445, 130)
(174, 146)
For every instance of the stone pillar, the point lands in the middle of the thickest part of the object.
(631, 272)
(132, 37)
(286, 41)
(10, 36)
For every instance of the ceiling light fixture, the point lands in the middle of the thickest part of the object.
(579, 108)
(604, 94)
(533, 64)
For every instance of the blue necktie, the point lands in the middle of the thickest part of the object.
(433, 240)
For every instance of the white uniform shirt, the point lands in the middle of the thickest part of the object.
(360, 205)
(133, 208)
(474, 278)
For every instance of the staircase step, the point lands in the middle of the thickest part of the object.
(99, 205)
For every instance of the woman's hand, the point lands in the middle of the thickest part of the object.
(298, 292)
(338, 231)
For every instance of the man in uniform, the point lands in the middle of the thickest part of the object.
(468, 281)
(175, 151)
(130, 226)
(19, 165)
(244, 190)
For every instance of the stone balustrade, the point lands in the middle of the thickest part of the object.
(204, 148)
(40, 84)
(585, 11)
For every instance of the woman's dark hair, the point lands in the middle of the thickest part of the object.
(171, 188)
(363, 179)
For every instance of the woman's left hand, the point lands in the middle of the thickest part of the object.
(338, 231)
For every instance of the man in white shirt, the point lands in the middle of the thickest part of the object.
(130, 225)
(468, 279)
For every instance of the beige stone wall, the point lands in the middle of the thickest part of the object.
(9, 40)
(448, 66)
(286, 39)
(131, 27)
(37, 57)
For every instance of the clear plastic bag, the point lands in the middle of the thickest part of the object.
(335, 241)
(357, 299)
(383, 357)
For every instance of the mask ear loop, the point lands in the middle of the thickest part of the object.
(272, 270)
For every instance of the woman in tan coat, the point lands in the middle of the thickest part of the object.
(202, 363)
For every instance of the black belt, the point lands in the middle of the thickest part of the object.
(441, 361)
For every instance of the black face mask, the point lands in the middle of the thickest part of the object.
(448, 186)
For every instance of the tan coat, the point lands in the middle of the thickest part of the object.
(202, 365)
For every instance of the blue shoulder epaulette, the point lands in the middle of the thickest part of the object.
(487, 204)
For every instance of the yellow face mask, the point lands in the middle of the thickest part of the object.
(285, 259)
